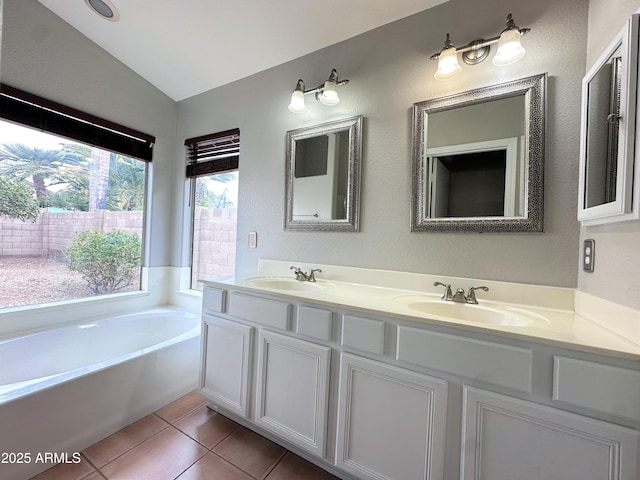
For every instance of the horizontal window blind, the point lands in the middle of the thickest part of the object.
(45, 115)
(214, 153)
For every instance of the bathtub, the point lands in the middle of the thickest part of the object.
(63, 389)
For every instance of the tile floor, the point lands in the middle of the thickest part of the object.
(185, 440)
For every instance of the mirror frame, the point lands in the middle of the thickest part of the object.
(352, 221)
(626, 206)
(534, 90)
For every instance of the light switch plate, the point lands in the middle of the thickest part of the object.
(253, 239)
(588, 255)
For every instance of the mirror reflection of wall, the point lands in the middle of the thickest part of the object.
(602, 133)
(320, 177)
(475, 162)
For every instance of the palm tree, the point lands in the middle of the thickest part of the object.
(35, 166)
(98, 162)
(126, 184)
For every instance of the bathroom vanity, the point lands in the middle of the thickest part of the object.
(371, 375)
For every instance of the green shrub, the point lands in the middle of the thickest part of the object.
(17, 200)
(108, 261)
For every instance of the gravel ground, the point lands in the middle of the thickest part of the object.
(33, 280)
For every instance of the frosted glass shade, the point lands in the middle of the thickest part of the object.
(329, 95)
(510, 49)
(297, 102)
(448, 65)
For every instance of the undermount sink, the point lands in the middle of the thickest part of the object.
(288, 284)
(488, 315)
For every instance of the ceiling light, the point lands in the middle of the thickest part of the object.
(104, 8)
(509, 51)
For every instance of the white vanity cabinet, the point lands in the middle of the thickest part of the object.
(391, 421)
(292, 389)
(507, 438)
(373, 395)
(225, 363)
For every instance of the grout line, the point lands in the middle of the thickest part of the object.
(275, 464)
(132, 447)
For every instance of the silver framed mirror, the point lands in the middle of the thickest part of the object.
(322, 176)
(607, 190)
(478, 159)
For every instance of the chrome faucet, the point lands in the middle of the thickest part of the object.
(305, 277)
(447, 295)
(471, 296)
(459, 296)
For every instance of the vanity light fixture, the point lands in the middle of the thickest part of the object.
(509, 51)
(326, 93)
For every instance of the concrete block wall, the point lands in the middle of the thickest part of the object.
(214, 254)
(215, 251)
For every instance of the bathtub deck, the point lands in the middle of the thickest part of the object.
(185, 440)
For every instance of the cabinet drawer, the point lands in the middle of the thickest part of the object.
(487, 362)
(314, 322)
(213, 299)
(603, 388)
(267, 312)
(363, 333)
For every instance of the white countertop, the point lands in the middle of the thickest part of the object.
(553, 319)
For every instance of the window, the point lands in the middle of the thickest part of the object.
(72, 203)
(212, 168)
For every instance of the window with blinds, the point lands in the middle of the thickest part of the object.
(84, 179)
(212, 170)
(57, 119)
(214, 153)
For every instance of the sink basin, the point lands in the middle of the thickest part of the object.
(488, 315)
(287, 284)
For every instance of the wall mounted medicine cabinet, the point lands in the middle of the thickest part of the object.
(607, 190)
(478, 159)
(322, 184)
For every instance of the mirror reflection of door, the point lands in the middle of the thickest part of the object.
(480, 179)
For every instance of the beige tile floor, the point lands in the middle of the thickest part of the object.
(185, 440)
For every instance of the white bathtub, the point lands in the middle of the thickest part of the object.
(63, 389)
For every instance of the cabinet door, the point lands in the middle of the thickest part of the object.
(292, 389)
(225, 367)
(391, 421)
(505, 438)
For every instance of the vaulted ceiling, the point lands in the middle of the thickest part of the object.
(186, 47)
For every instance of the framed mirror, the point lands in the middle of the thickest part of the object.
(322, 184)
(478, 159)
(608, 125)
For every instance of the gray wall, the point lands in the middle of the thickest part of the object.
(46, 56)
(389, 69)
(617, 265)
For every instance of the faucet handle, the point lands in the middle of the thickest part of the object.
(300, 275)
(471, 296)
(312, 274)
(447, 290)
